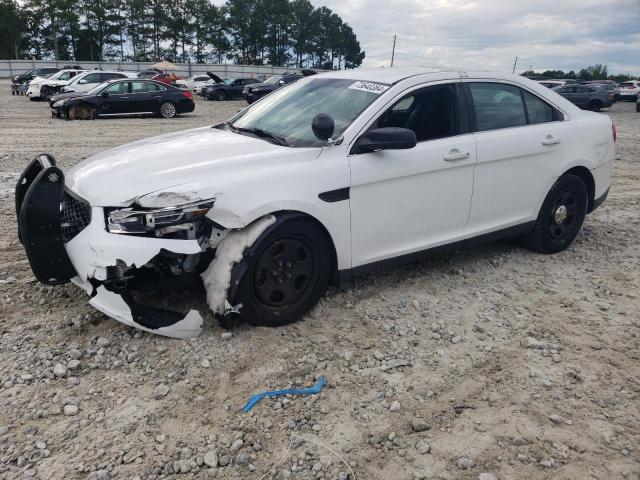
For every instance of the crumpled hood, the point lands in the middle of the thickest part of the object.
(118, 176)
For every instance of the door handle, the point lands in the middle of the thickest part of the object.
(456, 154)
(124, 98)
(550, 140)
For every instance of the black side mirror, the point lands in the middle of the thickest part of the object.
(386, 138)
(322, 126)
(104, 94)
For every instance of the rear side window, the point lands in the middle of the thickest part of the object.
(143, 87)
(539, 111)
(497, 106)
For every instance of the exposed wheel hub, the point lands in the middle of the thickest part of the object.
(560, 215)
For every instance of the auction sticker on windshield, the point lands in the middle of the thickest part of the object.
(376, 88)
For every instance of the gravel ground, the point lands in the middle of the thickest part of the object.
(494, 363)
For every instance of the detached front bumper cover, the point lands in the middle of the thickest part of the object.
(53, 250)
(39, 193)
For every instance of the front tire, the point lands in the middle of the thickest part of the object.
(220, 95)
(82, 112)
(561, 216)
(287, 274)
(168, 110)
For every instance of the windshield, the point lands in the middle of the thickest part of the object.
(287, 113)
(229, 81)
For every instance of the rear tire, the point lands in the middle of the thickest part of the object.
(594, 105)
(561, 216)
(168, 110)
(287, 274)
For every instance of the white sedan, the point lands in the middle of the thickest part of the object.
(194, 83)
(44, 87)
(333, 176)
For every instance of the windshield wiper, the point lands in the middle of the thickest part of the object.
(258, 132)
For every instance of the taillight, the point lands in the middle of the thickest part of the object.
(613, 132)
(189, 95)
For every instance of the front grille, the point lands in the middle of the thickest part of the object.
(75, 216)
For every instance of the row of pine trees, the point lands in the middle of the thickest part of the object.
(274, 32)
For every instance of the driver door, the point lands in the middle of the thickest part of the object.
(117, 99)
(407, 201)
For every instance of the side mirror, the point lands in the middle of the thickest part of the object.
(104, 94)
(322, 126)
(281, 83)
(386, 138)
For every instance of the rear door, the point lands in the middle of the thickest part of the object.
(519, 140)
(142, 97)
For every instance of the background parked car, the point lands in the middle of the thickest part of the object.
(228, 89)
(586, 97)
(166, 78)
(638, 104)
(88, 80)
(149, 72)
(31, 74)
(44, 87)
(254, 92)
(551, 83)
(193, 83)
(630, 90)
(125, 97)
(611, 89)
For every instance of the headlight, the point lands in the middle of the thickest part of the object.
(59, 103)
(157, 221)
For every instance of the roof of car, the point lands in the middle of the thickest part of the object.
(393, 75)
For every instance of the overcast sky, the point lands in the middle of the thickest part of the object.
(489, 34)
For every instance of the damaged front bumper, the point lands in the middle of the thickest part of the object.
(66, 240)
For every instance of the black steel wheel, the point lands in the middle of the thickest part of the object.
(220, 95)
(561, 216)
(288, 271)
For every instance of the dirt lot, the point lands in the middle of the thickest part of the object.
(494, 361)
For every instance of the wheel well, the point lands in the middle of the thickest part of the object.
(285, 215)
(588, 180)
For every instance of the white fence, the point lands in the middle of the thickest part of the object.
(9, 68)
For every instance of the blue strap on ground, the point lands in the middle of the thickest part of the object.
(287, 391)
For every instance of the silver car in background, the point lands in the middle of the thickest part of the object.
(587, 97)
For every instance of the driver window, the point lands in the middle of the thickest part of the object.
(430, 113)
(117, 88)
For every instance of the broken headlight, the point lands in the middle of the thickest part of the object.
(157, 222)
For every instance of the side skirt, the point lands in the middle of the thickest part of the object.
(517, 230)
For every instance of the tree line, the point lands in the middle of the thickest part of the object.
(594, 72)
(253, 32)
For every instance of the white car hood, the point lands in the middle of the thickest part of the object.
(117, 177)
